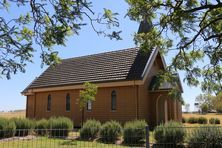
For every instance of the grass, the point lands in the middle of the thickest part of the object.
(44, 142)
(72, 141)
(18, 114)
(208, 116)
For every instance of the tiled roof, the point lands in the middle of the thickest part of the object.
(118, 65)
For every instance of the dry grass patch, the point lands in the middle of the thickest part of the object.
(17, 114)
(208, 116)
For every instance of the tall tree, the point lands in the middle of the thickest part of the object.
(46, 23)
(205, 103)
(191, 29)
(86, 95)
(217, 102)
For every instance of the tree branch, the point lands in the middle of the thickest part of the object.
(213, 36)
(200, 31)
(207, 6)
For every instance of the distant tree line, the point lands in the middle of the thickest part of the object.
(209, 103)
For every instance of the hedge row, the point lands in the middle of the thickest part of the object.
(200, 120)
(7, 128)
(173, 134)
(133, 131)
(57, 127)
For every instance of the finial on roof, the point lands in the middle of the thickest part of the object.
(145, 26)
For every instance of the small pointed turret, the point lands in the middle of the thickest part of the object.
(145, 26)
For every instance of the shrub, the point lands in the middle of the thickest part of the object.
(90, 129)
(7, 128)
(204, 108)
(41, 127)
(170, 134)
(207, 136)
(23, 126)
(202, 120)
(60, 127)
(110, 131)
(214, 121)
(192, 120)
(184, 120)
(134, 131)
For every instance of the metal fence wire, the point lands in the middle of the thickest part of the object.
(172, 137)
(56, 138)
(188, 137)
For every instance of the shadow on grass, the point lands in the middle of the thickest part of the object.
(68, 142)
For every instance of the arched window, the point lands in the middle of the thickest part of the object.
(49, 102)
(113, 100)
(67, 102)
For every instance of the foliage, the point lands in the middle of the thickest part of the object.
(45, 23)
(134, 132)
(202, 120)
(60, 126)
(192, 120)
(88, 94)
(191, 30)
(110, 131)
(7, 128)
(41, 127)
(23, 126)
(90, 129)
(214, 121)
(206, 136)
(184, 120)
(217, 102)
(170, 133)
(204, 108)
(204, 102)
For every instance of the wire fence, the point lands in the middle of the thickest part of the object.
(188, 137)
(56, 138)
(172, 137)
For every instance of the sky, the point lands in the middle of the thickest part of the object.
(87, 42)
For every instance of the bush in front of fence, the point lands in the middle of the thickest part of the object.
(169, 134)
(90, 129)
(202, 120)
(192, 120)
(23, 126)
(184, 120)
(110, 131)
(41, 127)
(134, 132)
(214, 121)
(7, 128)
(205, 136)
(59, 127)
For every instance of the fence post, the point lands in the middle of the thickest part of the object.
(147, 137)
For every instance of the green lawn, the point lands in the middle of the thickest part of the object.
(43, 142)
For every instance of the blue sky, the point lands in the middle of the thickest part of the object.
(88, 42)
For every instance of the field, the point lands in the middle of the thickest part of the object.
(208, 116)
(18, 114)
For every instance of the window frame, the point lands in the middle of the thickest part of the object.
(113, 101)
(49, 103)
(89, 108)
(68, 102)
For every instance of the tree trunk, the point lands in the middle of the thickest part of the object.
(82, 116)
